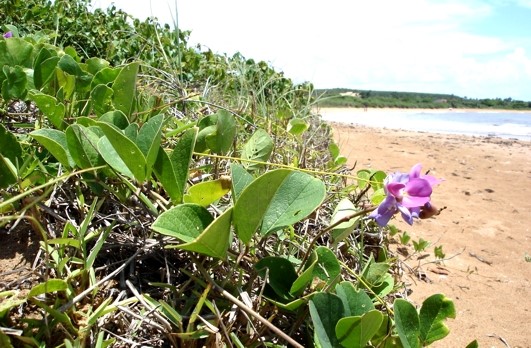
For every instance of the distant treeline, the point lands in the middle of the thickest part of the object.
(342, 97)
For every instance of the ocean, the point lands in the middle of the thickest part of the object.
(501, 124)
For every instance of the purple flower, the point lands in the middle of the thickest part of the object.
(8, 35)
(408, 194)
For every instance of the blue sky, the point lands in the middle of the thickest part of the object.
(477, 49)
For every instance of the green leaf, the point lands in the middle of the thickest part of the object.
(343, 209)
(407, 323)
(327, 267)
(326, 310)
(116, 118)
(306, 277)
(185, 222)
(8, 300)
(53, 110)
(385, 287)
(110, 156)
(207, 126)
(206, 193)
(51, 285)
(240, 180)
(356, 331)
(220, 141)
(67, 84)
(280, 277)
(434, 311)
(128, 151)
(473, 344)
(69, 66)
(15, 84)
(297, 126)
(105, 76)
(101, 96)
(148, 140)
(43, 55)
(10, 157)
(172, 170)
(124, 87)
(8, 172)
(55, 142)
(355, 302)
(94, 65)
(45, 71)
(374, 273)
(276, 199)
(258, 148)
(16, 51)
(215, 240)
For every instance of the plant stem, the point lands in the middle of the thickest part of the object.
(248, 310)
(320, 234)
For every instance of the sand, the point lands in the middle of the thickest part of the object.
(484, 230)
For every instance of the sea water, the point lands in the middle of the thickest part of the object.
(478, 123)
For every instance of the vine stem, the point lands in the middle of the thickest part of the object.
(335, 224)
(247, 309)
(285, 166)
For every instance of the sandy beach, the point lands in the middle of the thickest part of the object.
(484, 230)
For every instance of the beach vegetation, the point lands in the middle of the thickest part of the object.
(348, 98)
(181, 198)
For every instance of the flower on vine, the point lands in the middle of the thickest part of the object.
(408, 194)
(8, 35)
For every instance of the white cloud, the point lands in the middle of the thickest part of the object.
(418, 45)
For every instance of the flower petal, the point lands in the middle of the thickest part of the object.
(395, 189)
(415, 171)
(406, 214)
(418, 187)
(385, 211)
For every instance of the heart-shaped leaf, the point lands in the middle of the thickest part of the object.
(116, 118)
(53, 110)
(172, 170)
(276, 199)
(280, 277)
(344, 209)
(112, 157)
(258, 148)
(148, 140)
(297, 126)
(11, 151)
(220, 141)
(327, 267)
(128, 151)
(407, 323)
(240, 180)
(358, 330)
(185, 222)
(83, 146)
(206, 193)
(434, 311)
(15, 85)
(101, 96)
(124, 87)
(55, 142)
(16, 51)
(355, 302)
(326, 310)
(215, 240)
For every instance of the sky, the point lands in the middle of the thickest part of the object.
(474, 49)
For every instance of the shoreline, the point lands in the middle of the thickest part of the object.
(469, 122)
(375, 129)
(421, 110)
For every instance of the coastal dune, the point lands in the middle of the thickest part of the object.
(484, 229)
